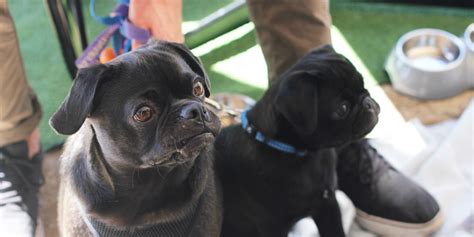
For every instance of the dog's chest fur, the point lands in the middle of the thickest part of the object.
(271, 182)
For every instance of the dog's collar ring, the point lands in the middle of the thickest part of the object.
(251, 130)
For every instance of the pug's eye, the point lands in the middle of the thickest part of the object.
(198, 89)
(342, 110)
(143, 114)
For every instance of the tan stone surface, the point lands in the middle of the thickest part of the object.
(429, 111)
(49, 193)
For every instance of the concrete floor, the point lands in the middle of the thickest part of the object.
(49, 193)
(428, 112)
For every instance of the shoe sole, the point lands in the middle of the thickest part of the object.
(387, 227)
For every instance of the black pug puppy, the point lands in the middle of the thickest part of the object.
(140, 161)
(280, 164)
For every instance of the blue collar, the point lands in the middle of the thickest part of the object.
(278, 145)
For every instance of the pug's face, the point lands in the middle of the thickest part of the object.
(322, 99)
(146, 108)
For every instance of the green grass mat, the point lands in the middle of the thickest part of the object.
(371, 29)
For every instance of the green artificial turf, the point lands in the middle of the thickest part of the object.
(371, 29)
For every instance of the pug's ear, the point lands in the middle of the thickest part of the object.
(297, 102)
(193, 62)
(78, 104)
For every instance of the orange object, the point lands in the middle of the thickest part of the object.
(136, 44)
(108, 54)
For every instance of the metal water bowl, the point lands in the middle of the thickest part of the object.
(428, 64)
(469, 41)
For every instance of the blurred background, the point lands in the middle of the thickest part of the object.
(416, 136)
(234, 61)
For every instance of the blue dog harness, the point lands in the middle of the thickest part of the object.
(275, 144)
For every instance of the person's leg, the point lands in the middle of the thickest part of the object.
(19, 109)
(288, 29)
(19, 138)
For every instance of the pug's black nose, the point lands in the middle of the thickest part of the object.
(194, 110)
(371, 105)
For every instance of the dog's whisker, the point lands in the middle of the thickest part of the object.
(158, 171)
(133, 176)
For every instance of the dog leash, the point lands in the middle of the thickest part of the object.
(119, 29)
(275, 144)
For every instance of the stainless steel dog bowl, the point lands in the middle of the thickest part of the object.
(469, 41)
(428, 64)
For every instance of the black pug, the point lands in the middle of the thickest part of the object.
(140, 161)
(280, 164)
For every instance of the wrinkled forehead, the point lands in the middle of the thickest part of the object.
(165, 72)
(343, 74)
(147, 61)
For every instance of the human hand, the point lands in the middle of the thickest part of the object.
(161, 17)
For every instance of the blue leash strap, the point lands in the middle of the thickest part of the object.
(119, 30)
(275, 144)
(118, 14)
(117, 17)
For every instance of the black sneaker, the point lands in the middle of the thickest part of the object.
(388, 203)
(20, 179)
